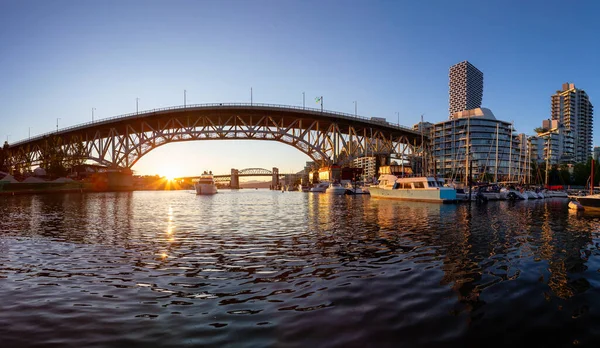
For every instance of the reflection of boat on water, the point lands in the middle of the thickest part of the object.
(335, 188)
(425, 189)
(205, 184)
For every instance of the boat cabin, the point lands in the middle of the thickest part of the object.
(392, 182)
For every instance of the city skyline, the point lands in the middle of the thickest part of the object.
(86, 61)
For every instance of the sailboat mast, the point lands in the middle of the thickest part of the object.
(547, 161)
(510, 153)
(496, 170)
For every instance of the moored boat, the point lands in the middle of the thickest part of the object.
(424, 189)
(355, 189)
(319, 187)
(589, 202)
(205, 184)
(335, 188)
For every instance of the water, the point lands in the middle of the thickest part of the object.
(264, 268)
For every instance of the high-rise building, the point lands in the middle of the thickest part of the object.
(572, 108)
(466, 87)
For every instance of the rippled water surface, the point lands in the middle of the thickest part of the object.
(265, 268)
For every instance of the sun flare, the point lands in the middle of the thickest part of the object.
(170, 175)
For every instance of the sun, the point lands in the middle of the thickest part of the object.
(170, 175)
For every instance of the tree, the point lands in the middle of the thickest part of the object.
(4, 157)
(581, 173)
(564, 175)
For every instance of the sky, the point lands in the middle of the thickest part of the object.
(59, 59)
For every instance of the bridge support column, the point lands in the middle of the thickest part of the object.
(275, 179)
(235, 179)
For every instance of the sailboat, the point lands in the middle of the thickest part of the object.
(591, 201)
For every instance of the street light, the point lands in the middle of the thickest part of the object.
(303, 103)
(398, 114)
(29, 133)
(355, 107)
(184, 97)
(136, 105)
(93, 114)
(58, 118)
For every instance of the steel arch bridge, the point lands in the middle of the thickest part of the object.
(250, 172)
(326, 137)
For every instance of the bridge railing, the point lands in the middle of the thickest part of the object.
(141, 114)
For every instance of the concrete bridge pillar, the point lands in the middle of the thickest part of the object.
(235, 179)
(275, 179)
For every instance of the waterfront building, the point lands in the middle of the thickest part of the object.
(466, 87)
(368, 164)
(553, 143)
(572, 107)
(475, 137)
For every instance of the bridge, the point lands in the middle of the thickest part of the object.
(327, 137)
(234, 181)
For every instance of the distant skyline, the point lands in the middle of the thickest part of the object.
(62, 58)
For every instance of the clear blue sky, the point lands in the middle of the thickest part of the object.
(61, 58)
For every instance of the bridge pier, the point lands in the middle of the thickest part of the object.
(275, 179)
(235, 179)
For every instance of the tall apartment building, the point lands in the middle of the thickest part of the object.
(466, 87)
(368, 164)
(572, 108)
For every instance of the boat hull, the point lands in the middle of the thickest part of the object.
(424, 195)
(590, 202)
(205, 189)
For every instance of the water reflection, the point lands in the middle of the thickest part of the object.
(295, 264)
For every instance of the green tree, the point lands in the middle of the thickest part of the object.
(581, 173)
(564, 175)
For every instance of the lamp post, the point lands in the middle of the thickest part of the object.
(398, 114)
(355, 108)
(303, 101)
(250, 95)
(29, 133)
(184, 97)
(93, 114)
(136, 105)
(58, 118)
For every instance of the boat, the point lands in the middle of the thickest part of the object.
(205, 184)
(512, 194)
(319, 187)
(335, 188)
(589, 202)
(354, 189)
(556, 194)
(424, 189)
(574, 205)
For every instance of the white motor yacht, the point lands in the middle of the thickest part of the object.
(205, 184)
(319, 187)
(336, 188)
(426, 189)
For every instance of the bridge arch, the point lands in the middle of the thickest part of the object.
(325, 136)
